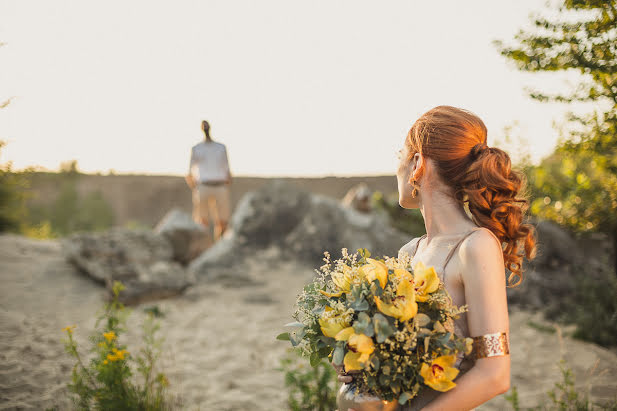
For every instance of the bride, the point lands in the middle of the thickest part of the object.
(447, 171)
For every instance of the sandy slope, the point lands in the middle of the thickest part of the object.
(221, 351)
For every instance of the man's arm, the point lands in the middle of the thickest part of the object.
(228, 171)
(190, 180)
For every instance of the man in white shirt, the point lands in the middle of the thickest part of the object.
(209, 179)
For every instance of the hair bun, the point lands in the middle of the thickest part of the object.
(478, 149)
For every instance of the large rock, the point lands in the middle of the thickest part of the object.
(301, 225)
(359, 198)
(187, 238)
(550, 280)
(140, 259)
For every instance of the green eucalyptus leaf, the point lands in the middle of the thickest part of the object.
(404, 397)
(339, 355)
(422, 320)
(383, 329)
(364, 325)
(315, 359)
(294, 324)
(283, 337)
(375, 363)
(360, 305)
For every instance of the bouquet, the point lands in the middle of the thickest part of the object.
(391, 322)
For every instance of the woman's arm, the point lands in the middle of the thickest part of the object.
(483, 276)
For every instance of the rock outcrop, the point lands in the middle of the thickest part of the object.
(187, 238)
(358, 198)
(142, 260)
(301, 225)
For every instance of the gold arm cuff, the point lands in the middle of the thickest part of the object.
(491, 345)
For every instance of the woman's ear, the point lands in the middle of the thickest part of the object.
(417, 168)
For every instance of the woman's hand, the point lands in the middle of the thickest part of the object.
(343, 376)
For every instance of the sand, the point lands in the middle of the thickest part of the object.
(220, 347)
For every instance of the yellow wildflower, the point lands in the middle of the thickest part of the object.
(69, 329)
(120, 353)
(439, 373)
(403, 306)
(331, 325)
(375, 270)
(360, 349)
(426, 281)
(105, 362)
(109, 336)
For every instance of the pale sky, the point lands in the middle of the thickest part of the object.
(298, 88)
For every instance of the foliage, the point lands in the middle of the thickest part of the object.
(12, 197)
(70, 211)
(564, 397)
(595, 314)
(408, 221)
(106, 381)
(577, 185)
(376, 317)
(310, 388)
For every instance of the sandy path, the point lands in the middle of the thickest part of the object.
(219, 337)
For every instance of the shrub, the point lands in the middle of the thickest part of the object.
(310, 388)
(106, 381)
(564, 397)
(408, 221)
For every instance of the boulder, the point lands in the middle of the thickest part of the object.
(359, 198)
(301, 225)
(550, 279)
(555, 246)
(140, 259)
(187, 238)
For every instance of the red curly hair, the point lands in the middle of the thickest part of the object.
(480, 176)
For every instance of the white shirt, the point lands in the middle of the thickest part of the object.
(209, 162)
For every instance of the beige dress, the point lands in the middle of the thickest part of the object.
(427, 394)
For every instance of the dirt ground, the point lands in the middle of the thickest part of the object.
(221, 352)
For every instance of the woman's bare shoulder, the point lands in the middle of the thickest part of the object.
(481, 241)
(482, 250)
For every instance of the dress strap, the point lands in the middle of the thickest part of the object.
(417, 245)
(453, 250)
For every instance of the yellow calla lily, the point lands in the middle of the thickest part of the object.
(403, 306)
(332, 325)
(375, 270)
(360, 349)
(426, 281)
(440, 373)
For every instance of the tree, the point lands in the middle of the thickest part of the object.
(577, 185)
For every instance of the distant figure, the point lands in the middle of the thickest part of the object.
(209, 178)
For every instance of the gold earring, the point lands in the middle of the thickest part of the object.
(414, 192)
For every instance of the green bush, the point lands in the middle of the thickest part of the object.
(12, 197)
(70, 212)
(310, 388)
(106, 381)
(595, 313)
(564, 397)
(408, 221)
